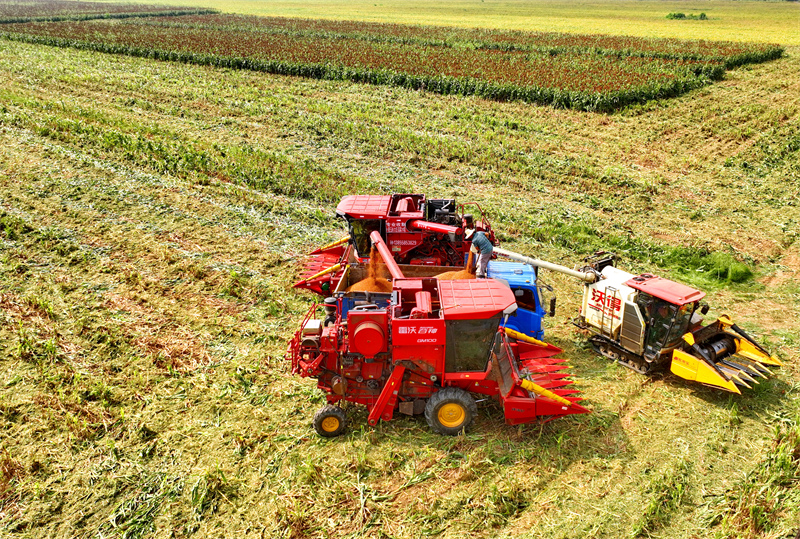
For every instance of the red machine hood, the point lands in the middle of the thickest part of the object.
(474, 298)
(675, 293)
(364, 206)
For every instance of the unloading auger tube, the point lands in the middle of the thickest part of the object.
(386, 255)
(588, 276)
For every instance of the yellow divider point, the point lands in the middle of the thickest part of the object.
(691, 368)
(749, 351)
(334, 244)
(333, 268)
(522, 337)
(539, 390)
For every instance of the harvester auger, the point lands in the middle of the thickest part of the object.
(646, 323)
(426, 350)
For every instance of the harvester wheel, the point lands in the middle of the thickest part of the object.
(330, 421)
(450, 411)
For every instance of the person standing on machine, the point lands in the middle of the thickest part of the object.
(482, 247)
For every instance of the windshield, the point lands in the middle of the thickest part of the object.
(526, 299)
(667, 324)
(680, 324)
(469, 343)
(359, 233)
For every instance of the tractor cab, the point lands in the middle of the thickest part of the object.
(528, 292)
(472, 312)
(364, 214)
(667, 324)
(668, 309)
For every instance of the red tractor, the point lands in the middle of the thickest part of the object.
(417, 231)
(426, 351)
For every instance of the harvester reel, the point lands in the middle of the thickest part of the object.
(330, 421)
(450, 411)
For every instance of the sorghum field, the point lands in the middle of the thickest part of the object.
(57, 10)
(595, 73)
(153, 212)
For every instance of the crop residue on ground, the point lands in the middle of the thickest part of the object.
(152, 215)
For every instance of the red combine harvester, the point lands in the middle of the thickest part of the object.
(416, 230)
(434, 344)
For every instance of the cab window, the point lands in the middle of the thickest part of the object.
(360, 231)
(468, 344)
(525, 298)
(680, 325)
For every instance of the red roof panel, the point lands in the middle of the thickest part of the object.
(364, 206)
(474, 298)
(675, 293)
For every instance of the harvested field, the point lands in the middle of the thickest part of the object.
(151, 217)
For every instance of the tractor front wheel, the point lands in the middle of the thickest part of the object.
(330, 421)
(450, 411)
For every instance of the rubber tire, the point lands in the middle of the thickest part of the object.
(450, 395)
(324, 417)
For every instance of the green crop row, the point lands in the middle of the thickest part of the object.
(582, 72)
(163, 153)
(696, 265)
